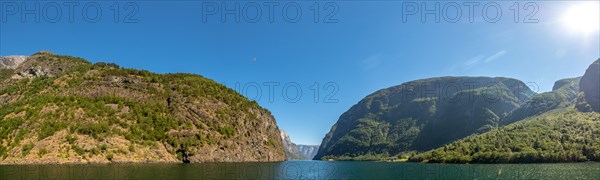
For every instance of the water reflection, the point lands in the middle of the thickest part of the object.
(303, 170)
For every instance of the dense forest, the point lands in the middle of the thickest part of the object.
(563, 135)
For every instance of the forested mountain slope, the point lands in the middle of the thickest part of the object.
(421, 115)
(62, 109)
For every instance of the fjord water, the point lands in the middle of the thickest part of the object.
(304, 170)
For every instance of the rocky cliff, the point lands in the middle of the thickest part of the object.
(590, 86)
(297, 152)
(291, 151)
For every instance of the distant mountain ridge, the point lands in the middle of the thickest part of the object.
(297, 152)
(291, 151)
(308, 151)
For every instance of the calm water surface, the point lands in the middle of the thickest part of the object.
(303, 170)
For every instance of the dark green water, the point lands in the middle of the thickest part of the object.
(303, 170)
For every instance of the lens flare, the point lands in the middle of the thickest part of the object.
(583, 18)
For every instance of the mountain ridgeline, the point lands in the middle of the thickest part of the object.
(62, 109)
(421, 115)
(563, 94)
(562, 125)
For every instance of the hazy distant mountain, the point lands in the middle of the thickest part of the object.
(62, 109)
(308, 151)
(297, 152)
(291, 151)
(421, 115)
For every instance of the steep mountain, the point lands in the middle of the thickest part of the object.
(421, 115)
(563, 94)
(559, 135)
(291, 150)
(308, 151)
(62, 109)
(590, 86)
(297, 152)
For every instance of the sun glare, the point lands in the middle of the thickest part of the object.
(583, 18)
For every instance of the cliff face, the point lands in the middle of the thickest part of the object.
(291, 150)
(590, 85)
(62, 109)
(297, 152)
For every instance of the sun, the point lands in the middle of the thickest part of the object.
(583, 17)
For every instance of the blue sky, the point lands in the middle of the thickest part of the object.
(369, 48)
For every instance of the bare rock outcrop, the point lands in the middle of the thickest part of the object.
(11, 62)
(590, 85)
